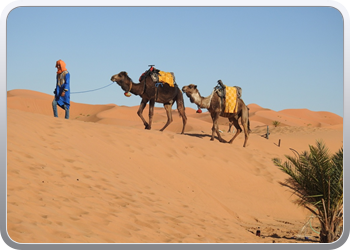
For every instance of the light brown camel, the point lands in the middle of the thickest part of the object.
(147, 90)
(216, 107)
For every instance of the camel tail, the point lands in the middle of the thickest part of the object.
(249, 130)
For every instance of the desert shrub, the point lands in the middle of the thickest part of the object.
(276, 123)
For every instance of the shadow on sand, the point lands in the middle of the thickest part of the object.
(201, 136)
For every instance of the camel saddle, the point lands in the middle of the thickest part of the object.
(229, 96)
(159, 77)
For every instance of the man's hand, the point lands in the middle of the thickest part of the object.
(63, 93)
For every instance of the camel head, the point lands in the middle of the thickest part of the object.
(192, 92)
(123, 80)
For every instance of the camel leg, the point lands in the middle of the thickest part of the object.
(215, 128)
(229, 127)
(184, 118)
(151, 111)
(245, 124)
(139, 113)
(181, 110)
(238, 129)
(167, 107)
(245, 128)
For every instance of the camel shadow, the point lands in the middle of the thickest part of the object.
(198, 135)
(201, 136)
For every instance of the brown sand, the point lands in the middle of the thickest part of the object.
(101, 177)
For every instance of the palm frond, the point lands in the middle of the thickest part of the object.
(317, 179)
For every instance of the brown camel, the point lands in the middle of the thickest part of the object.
(216, 107)
(150, 93)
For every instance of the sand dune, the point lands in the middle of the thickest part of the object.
(100, 177)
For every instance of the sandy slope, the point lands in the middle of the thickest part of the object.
(100, 177)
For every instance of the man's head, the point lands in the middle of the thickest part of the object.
(61, 66)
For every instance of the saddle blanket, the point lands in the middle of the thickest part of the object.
(231, 100)
(166, 77)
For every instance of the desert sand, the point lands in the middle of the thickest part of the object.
(100, 177)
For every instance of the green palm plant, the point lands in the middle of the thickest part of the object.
(276, 123)
(317, 179)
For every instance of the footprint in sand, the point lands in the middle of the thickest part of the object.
(69, 160)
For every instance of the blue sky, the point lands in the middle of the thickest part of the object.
(281, 57)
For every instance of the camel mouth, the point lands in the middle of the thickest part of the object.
(184, 89)
(113, 79)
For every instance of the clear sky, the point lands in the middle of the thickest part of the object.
(281, 57)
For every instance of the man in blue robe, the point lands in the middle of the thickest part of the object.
(62, 90)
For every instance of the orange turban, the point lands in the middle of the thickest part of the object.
(62, 65)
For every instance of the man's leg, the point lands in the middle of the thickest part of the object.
(54, 107)
(67, 112)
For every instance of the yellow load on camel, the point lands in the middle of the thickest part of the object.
(231, 100)
(166, 77)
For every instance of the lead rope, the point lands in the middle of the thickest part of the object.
(92, 89)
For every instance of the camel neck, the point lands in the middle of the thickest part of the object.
(203, 102)
(137, 88)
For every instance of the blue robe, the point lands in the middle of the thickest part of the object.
(63, 100)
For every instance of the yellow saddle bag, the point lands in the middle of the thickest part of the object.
(166, 77)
